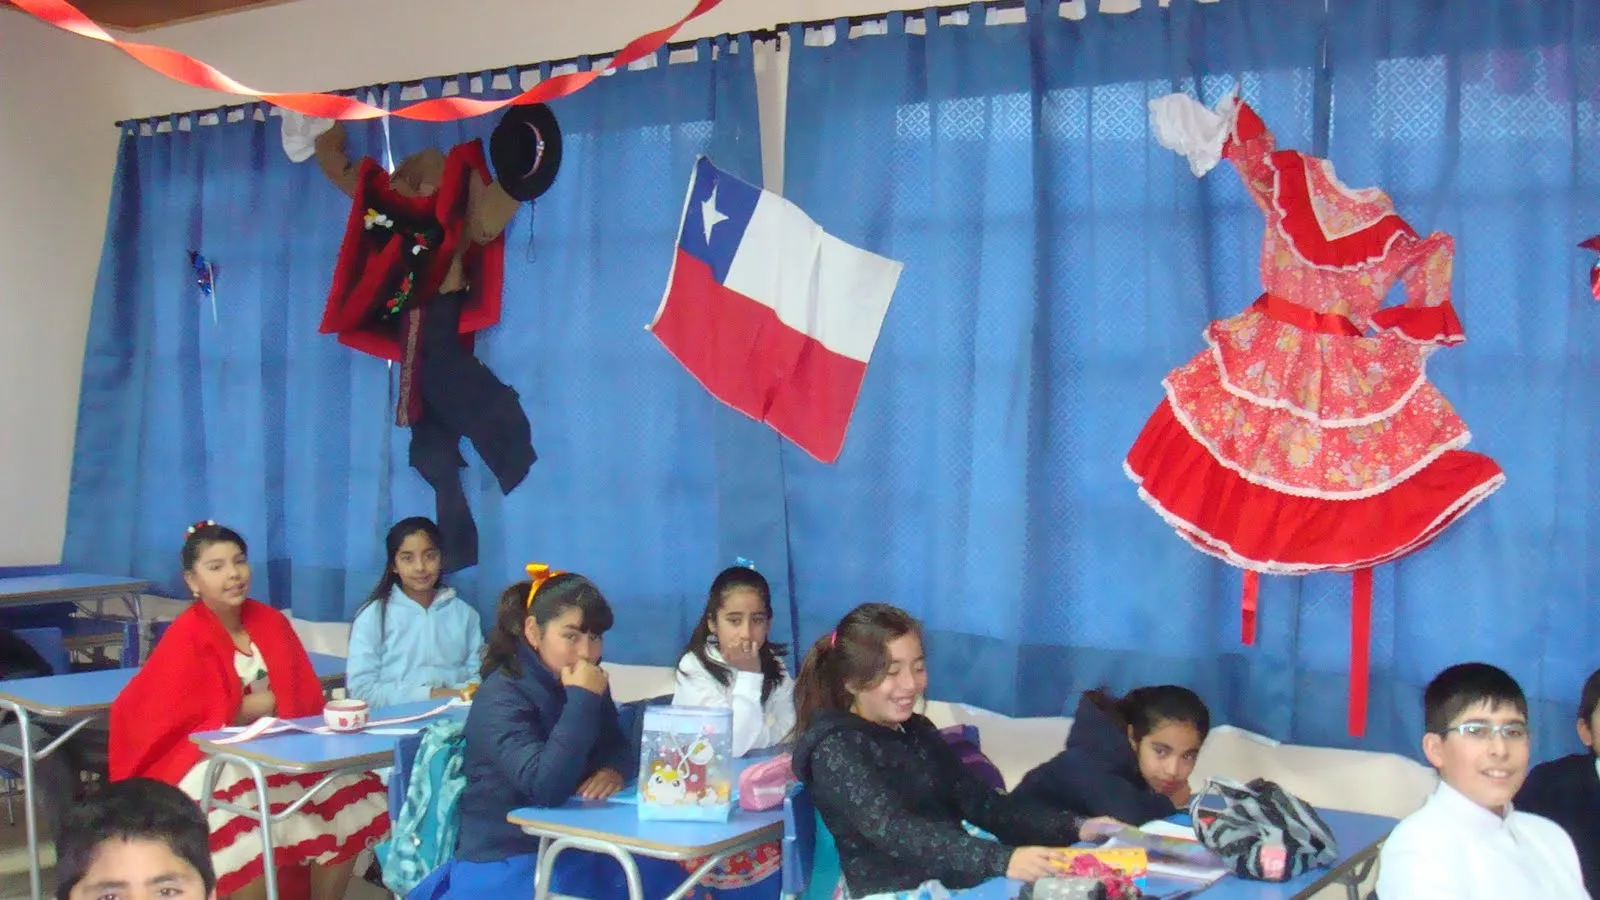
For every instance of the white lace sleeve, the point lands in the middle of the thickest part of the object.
(1183, 125)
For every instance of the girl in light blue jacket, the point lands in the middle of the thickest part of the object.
(413, 639)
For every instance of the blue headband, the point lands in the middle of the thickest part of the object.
(744, 563)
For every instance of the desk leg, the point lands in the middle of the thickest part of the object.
(1354, 878)
(262, 812)
(547, 858)
(28, 756)
(29, 816)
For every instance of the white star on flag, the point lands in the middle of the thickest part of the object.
(710, 215)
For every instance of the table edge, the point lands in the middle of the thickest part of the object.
(53, 712)
(360, 761)
(649, 848)
(123, 587)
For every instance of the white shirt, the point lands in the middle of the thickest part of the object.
(1454, 849)
(755, 726)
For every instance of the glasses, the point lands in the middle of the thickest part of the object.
(1482, 731)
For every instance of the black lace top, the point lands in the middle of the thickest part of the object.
(894, 801)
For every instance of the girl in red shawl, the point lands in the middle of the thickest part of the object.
(229, 660)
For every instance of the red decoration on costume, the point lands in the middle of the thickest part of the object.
(371, 261)
(193, 72)
(189, 684)
(1306, 436)
(378, 270)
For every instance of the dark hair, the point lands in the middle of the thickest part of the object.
(727, 581)
(1463, 686)
(130, 810)
(391, 544)
(1144, 709)
(1590, 698)
(557, 595)
(203, 535)
(855, 654)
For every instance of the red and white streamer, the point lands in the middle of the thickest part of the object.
(188, 70)
(267, 726)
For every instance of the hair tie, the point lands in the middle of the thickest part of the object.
(538, 574)
(743, 563)
(833, 637)
(204, 523)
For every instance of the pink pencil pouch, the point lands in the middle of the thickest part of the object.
(762, 786)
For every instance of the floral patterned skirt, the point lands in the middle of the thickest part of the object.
(1291, 448)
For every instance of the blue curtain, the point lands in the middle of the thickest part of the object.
(244, 415)
(1059, 263)
(260, 422)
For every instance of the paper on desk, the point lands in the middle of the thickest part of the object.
(1174, 852)
(269, 725)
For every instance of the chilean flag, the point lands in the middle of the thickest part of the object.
(773, 315)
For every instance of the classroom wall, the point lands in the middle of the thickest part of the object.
(61, 94)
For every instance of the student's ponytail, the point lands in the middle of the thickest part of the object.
(853, 655)
(1144, 709)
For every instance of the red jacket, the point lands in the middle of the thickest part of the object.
(190, 684)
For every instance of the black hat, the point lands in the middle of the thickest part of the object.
(526, 150)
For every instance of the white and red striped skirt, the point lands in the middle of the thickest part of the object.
(347, 815)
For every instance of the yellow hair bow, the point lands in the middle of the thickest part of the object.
(538, 574)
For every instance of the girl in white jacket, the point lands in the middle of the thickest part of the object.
(730, 663)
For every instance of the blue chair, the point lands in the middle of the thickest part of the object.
(51, 644)
(799, 841)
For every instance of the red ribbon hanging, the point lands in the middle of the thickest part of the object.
(188, 70)
(1247, 607)
(1360, 645)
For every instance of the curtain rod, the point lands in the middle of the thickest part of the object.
(776, 32)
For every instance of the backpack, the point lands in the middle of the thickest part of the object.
(423, 837)
(1262, 831)
(963, 739)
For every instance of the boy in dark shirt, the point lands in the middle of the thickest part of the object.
(1567, 790)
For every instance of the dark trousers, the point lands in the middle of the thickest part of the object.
(462, 398)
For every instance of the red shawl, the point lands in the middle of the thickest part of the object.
(189, 684)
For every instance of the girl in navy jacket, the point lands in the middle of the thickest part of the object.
(1128, 758)
(542, 729)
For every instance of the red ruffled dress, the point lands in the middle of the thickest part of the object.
(1306, 437)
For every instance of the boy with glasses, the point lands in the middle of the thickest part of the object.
(1466, 842)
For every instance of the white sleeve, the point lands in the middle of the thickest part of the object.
(472, 665)
(695, 686)
(777, 715)
(1412, 866)
(1183, 125)
(748, 717)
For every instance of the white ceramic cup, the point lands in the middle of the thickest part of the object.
(346, 715)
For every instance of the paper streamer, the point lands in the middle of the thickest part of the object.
(267, 725)
(188, 70)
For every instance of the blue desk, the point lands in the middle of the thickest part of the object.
(71, 587)
(298, 753)
(83, 590)
(81, 696)
(1360, 837)
(615, 830)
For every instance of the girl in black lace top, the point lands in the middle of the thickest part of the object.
(889, 789)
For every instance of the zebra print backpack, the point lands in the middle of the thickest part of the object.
(1264, 832)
